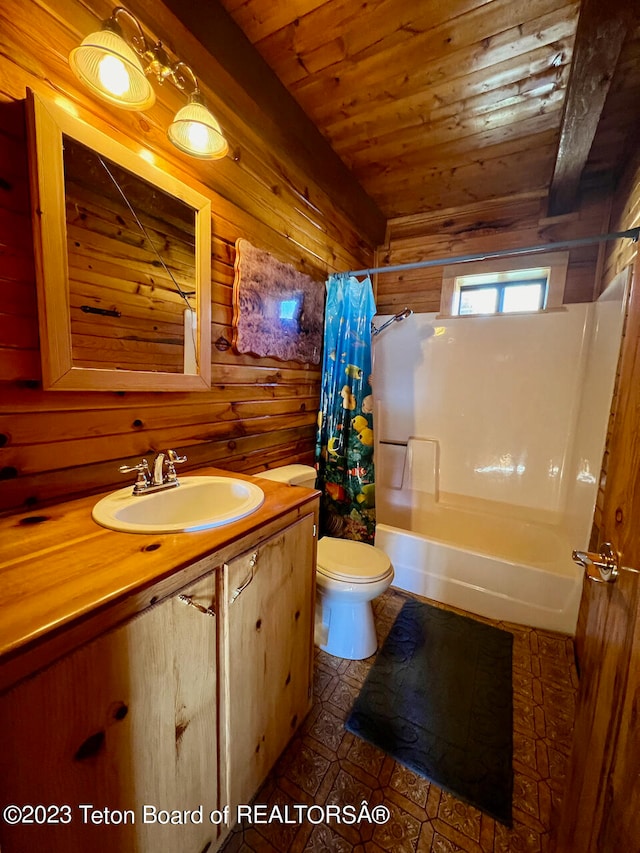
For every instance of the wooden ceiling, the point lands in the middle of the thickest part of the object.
(435, 104)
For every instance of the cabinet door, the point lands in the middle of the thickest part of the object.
(126, 721)
(270, 597)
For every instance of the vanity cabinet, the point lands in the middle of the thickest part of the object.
(125, 721)
(183, 707)
(269, 595)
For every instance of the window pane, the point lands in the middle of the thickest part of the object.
(478, 301)
(522, 297)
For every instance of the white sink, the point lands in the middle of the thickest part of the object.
(197, 503)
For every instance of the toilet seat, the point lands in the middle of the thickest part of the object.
(353, 562)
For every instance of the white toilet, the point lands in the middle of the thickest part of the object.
(349, 576)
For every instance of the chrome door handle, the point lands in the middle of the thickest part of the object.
(599, 568)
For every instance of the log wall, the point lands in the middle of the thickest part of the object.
(259, 411)
(506, 223)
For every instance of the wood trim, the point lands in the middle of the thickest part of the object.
(52, 271)
(601, 30)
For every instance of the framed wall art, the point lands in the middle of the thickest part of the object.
(277, 311)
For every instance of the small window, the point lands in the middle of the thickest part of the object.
(504, 285)
(502, 297)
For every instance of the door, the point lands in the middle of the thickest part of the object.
(270, 601)
(601, 807)
(126, 721)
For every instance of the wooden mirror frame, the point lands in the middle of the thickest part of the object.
(47, 122)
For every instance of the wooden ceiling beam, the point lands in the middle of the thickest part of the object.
(295, 135)
(602, 27)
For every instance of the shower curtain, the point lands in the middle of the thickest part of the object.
(344, 446)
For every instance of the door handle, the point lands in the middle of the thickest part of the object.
(245, 583)
(188, 600)
(603, 567)
(599, 568)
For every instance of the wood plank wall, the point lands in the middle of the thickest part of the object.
(504, 223)
(259, 412)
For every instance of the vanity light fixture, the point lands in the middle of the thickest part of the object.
(116, 69)
(194, 129)
(111, 68)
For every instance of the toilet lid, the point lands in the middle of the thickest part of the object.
(346, 560)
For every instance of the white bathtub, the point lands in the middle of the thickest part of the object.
(474, 558)
(486, 481)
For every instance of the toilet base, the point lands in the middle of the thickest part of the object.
(346, 630)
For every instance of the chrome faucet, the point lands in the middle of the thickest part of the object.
(155, 479)
(158, 470)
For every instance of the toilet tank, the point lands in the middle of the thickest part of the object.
(294, 475)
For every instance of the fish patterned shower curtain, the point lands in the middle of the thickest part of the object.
(344, 446)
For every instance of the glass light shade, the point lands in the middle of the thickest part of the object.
(196, 132)
(111, 69)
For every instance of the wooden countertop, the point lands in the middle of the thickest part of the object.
(58, 567)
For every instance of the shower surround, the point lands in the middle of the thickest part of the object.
(489, 442)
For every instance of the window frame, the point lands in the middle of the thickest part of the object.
(453, 276)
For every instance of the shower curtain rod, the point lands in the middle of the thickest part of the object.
(632, 234)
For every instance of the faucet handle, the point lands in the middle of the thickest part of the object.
(144, 475)
(172, 460)
(142, 468)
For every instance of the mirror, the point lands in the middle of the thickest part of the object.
(123, 263)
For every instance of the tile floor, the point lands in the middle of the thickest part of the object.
(325, 764)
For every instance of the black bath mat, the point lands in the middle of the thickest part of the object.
(438, 699)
